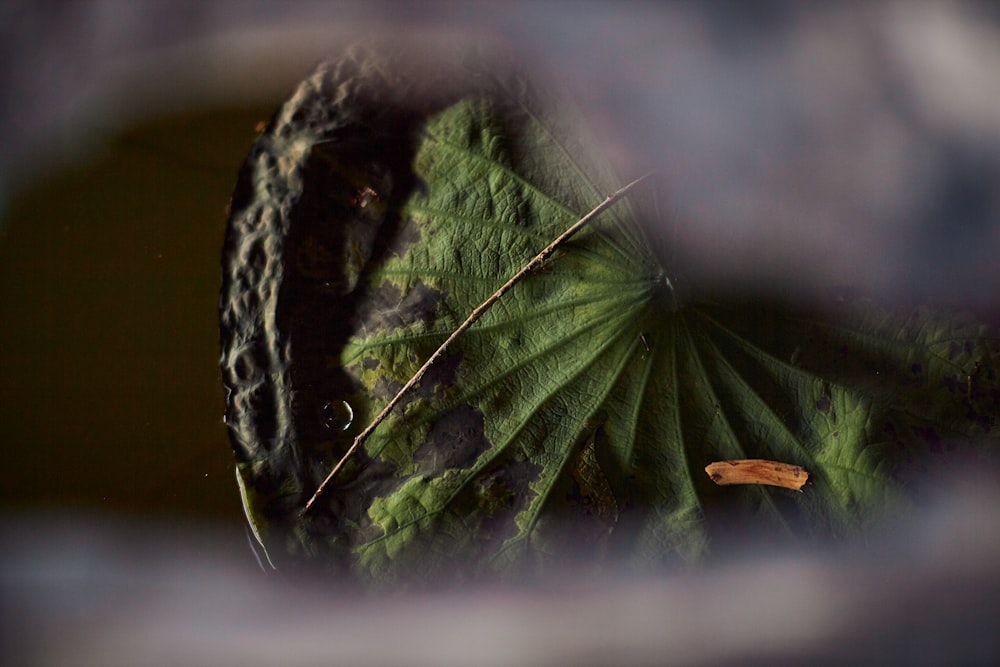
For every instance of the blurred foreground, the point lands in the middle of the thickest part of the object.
(84, 591)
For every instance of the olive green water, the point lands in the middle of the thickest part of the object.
(110, 397)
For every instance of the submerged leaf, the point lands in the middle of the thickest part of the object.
(577, 416)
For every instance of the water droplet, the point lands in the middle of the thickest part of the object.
(337, 415)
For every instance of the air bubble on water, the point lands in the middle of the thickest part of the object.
(338, 415)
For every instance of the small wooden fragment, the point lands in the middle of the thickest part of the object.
(758, 471)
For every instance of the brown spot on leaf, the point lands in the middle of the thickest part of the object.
(593, 485)
(389, 308)
(502, 493)
(455, 441)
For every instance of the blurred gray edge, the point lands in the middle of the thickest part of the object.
(851, 141)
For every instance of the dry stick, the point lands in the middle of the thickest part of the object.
(475, 315)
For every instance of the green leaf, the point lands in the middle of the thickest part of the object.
(575, 419)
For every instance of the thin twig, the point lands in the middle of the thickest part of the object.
(538, 260)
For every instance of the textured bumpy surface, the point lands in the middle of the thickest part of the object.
(386, 201)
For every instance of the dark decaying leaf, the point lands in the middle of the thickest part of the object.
(573, 421)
